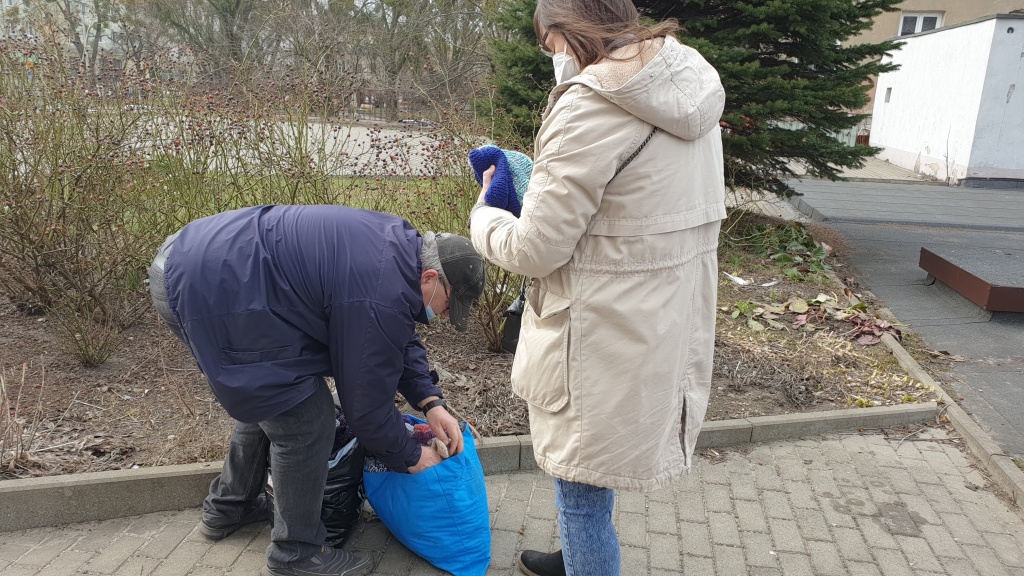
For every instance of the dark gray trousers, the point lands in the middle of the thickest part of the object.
(297, 443)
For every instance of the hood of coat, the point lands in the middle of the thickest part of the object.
(660, 81)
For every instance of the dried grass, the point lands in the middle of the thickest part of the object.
(812, 368)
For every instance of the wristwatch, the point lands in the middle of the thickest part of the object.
(433, 404)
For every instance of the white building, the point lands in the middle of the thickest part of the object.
(955, 108)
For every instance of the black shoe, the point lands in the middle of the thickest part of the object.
(329, 561)
(538, 564)
(260, 512)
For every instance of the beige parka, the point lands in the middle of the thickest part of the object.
(614, 357)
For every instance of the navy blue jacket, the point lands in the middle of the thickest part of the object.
(271, 298)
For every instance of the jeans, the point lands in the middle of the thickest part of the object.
(298, 444)
(590, 545)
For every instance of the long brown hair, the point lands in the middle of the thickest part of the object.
(593, 28)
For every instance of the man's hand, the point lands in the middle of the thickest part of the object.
(428, 457)
(446, 428)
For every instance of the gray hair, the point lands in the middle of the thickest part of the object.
(430, 258)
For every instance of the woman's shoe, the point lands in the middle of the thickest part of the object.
(534, 563)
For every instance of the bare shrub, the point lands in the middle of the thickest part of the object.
(19, 422)
(92, 181)
(70, 181)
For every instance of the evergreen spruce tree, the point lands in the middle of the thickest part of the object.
(790, 79)
(522, 76)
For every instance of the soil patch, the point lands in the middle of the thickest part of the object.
(148, 405)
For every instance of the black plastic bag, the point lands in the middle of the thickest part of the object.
(513, 322)
(343, 494)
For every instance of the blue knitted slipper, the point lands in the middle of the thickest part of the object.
(511, 176)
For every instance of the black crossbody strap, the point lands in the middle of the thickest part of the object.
(635, 152)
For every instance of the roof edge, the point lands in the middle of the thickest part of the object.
(962, 24)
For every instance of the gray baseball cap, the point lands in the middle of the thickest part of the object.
(464, 269)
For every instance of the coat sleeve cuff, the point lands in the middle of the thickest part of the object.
(413, 457)
(419, 394)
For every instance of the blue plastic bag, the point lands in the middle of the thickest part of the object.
(440, 513)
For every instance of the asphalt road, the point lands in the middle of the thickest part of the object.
(887, 225)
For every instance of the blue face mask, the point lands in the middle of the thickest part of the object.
(430, 311)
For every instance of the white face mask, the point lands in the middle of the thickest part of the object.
(430, 311)
(565, 67)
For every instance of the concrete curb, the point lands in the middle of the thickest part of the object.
(806, 209)
(771, 428)
(997, 463)
(875, 180)
(815, 215)
(896, 181)
(91, 496)
(55, 500)
(1000, 466)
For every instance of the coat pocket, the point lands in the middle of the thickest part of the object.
(233, 356)
(539, 371)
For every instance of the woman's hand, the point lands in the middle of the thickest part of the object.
(486, 178)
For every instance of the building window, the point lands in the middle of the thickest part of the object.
(914, 22)
(888, 94)
(9, 3)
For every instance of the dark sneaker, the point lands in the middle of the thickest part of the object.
(329, 561)
(260, 512)
(539, 564)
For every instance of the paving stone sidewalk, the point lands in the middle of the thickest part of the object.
(857, 504)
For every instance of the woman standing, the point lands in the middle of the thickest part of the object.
(614, 357)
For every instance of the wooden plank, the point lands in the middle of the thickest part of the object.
(992, 280)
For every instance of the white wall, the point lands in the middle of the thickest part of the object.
(998, 150)
(928, 125)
